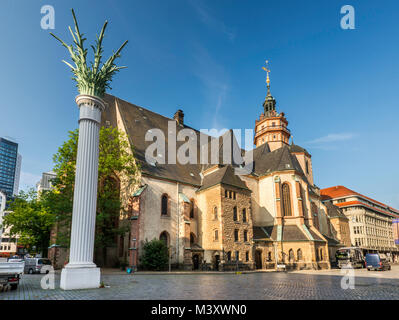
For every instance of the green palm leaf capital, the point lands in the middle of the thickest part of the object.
(95, 78)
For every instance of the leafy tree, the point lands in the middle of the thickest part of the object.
(116, 160)
(31, 219)
(155, 255)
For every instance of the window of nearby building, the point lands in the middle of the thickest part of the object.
(286, 200)
(245, 235)
(235, 217)
(307, 166)
(226, 193)
(269, 256)
(237, 255)
(164, 205)
(247, 256)
(244, 215)
(321, 254)
(236, 235)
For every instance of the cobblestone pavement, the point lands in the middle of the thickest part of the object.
(272, 285)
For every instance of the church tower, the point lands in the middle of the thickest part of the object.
(271, 128)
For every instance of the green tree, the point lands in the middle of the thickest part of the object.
(31, 219)
(155, 255)
(116, 161)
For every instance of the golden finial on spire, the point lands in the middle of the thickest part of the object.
(267, 69)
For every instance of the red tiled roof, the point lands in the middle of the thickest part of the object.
(341, 191)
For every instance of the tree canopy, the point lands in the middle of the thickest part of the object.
(116, 161)
(31, 219)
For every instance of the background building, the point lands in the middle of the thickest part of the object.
(370, 221)
(17, 174)
(10, 167)
(45, 182)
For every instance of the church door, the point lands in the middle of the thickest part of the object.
(195, 262)
(217, 261)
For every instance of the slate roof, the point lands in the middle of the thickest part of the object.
(278, 160)
(331, 241)
(333, 211)
(297, 149)
(289, 233)
(138, 121)
(224, 175)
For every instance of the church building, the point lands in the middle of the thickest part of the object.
(210, 217)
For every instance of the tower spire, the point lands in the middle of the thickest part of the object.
(270, 104)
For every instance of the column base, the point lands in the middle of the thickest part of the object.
(80, 278)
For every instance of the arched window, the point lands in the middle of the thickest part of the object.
(192, 205)
(291, 256)
(216, 235)
(299, 254)
(164, 236)
(235, 218)
(215, 213)
(244, 215)
(286, 200)
(164, 205)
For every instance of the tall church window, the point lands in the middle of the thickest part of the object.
(164, 205)
(286, 200)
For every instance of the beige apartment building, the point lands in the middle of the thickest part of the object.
(370, 221)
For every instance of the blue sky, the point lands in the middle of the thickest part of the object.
(337, 87)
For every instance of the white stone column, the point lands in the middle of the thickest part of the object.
(81, 272)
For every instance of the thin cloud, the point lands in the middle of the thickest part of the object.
(214, 80)
(333, 137)
(208, 19)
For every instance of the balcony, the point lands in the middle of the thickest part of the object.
(272, 128)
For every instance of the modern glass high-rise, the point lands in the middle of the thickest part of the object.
(9, 166)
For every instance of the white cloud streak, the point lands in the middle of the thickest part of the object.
(333, 137)
(210, 21)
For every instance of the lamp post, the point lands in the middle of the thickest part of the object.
(91, 81)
